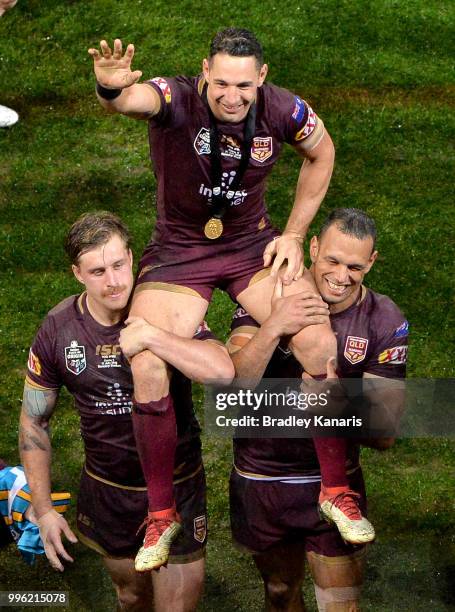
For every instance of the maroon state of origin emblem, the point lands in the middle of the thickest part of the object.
(261, 149)
(355, 349)
(200, 528)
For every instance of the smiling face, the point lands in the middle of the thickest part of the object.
(340, 262)
(106, 271)
(232, 85)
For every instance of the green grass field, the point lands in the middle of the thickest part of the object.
(380, 75)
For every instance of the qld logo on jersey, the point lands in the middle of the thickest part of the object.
(355, 349)
(75, 358)
(396, 355)
(202, 142)
(200, 528)
(262, 149)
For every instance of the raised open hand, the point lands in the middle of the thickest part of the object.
(112, 70)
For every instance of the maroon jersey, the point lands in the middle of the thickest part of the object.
(180, 150)
(71, 349)
(372, 336)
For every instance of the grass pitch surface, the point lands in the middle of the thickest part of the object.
(380, 77)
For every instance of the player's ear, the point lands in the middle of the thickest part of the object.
(77, 273)
(130, 256)
(371, 261)
(314, 248)
(205, 68)
(263, 73)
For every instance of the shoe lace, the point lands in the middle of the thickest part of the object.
(347, 503)
(154, 529)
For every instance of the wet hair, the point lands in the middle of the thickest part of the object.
(351, 221)
(92, 230)
(238, 43)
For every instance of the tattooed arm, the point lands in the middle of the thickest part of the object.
(38, 404)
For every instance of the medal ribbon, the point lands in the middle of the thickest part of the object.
(220, 202)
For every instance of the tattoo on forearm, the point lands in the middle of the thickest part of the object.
(28, 440)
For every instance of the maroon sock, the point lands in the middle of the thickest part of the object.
(156, 439)
(331, 454)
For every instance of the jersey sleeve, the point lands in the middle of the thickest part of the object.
(299, 124)
(42, 367)
(171, 94)
(390, 351)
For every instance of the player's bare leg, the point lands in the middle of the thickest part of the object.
(315, 344)
(337, 581)
(282, 569)
(313, 347)
(134, 590)
(154, 419)
(178, 313)
(179, 587)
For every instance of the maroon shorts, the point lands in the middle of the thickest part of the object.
(200, 269)
(108, 518)
(264, 514)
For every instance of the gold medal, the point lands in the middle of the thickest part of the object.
(213, 228)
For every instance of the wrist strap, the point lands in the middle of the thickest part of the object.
(107, 94)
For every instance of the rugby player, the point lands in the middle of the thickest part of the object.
(275, 483)
(77, 346)
(213, 140)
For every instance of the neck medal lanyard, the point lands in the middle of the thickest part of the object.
(220, 201)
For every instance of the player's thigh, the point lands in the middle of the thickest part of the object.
(337, 580)
(134, 590)
(256, 299)
(178, 586)
(176, 312)
(283, 563)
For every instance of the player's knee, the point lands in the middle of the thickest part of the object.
(313, 346)
(337, 599)
(281, 594)
(132, 599)
(146, 366)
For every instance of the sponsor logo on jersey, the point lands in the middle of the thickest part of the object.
(108, 354)
(75, 358)
(396, 355)
(164, 86)
(200, 528)
(299, 109)
(230, 147)
(34, 364)
(236, 197)
(108, 350)
(117, 401)
(262, 149)
(309, 126)
(401, 331)
(202, 142)
(355, 349)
